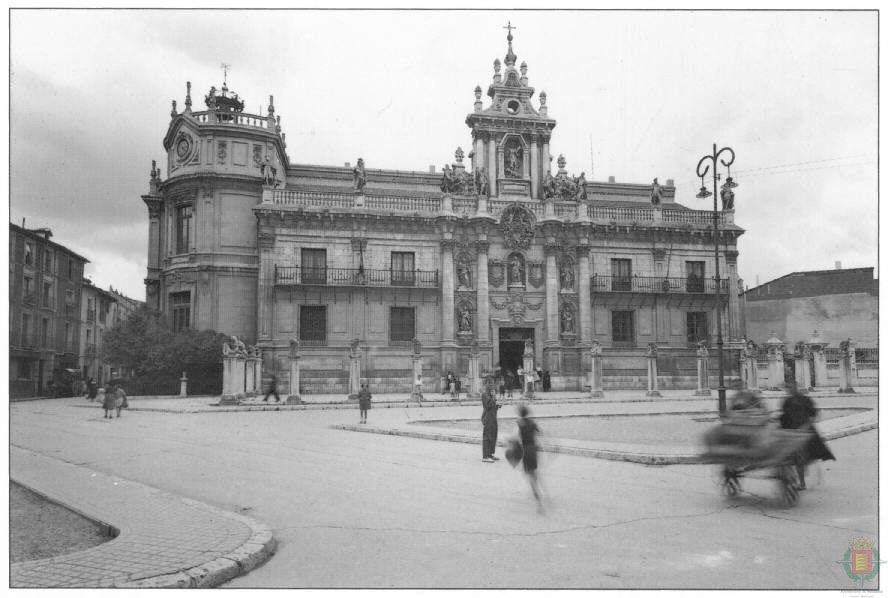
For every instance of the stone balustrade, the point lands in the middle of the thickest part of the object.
(231, 118)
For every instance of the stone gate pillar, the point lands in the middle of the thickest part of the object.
(818, 356)
(528, 369)
(595, 372)
(354, 370)
(416, 393)
(653, 389)
(293, 396)
(702, 371)
(257, 373)
(228, 358)
(845, 353)
(249, 373)
(775, 362)
(474, 372)
(803, 367)
(183, 385)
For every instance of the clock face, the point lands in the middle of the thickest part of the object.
(183, 148)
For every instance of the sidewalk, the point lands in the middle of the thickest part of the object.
(164, 541)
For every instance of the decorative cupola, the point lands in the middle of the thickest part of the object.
(510, 137)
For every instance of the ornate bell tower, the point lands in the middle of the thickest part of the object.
(511, 137)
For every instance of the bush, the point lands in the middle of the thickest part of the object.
(145, 345)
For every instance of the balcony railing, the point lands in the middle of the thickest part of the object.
(655, 284)
(297, 275)
(231, 118)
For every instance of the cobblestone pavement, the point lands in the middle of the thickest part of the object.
(163, 540)
(356, 510)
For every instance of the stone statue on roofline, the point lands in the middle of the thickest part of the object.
(656, 193)
(359, 175)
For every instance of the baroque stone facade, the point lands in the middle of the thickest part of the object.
(493, 252)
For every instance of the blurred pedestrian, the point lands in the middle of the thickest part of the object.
(120, 401)
(108, 400)
(91, 389)
(364, 397)
(272, 389)
(489, 423)
(527, 433)
(799, 413)
(547, 381)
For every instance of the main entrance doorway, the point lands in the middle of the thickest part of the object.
(511, 347)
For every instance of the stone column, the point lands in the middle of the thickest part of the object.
(354, 370)
(534, 169)
(552, 329)
(474, 372)
(528, 370)
(228, 359)
(482, 325)
(492, 165)
(447, 288)
(845, 385)
(183, 385)
(733, 294)
(584, 295)
(817, 346)
(775, 362)
(258, 371)
(479, 159)
(238, 376)
(595, 373)
(293, 396)
(416, 394)
(750, 366)
(702, 371)
(265, 287)
(546, 162)
(653, 387)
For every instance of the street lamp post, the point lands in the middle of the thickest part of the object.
(702, 170)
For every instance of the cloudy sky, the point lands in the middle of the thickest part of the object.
(640, 94)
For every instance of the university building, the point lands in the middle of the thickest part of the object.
(503, 246)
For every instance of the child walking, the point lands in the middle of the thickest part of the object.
(364, 397)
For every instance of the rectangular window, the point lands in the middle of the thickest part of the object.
(698, 327)
(47, 261)
(180, 308)
(695, 272)
(184, 217)
(47, 294)
(403, 272)
(403, 324)
(27, 341)
(88, 337)
(69, 337)
(621, 271)
(313, 324)
(623, 327)
(314, 266)
(28, 289)
(29, 253)
(44, 332)
(24, 369)
(71, 269)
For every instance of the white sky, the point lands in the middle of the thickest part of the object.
(793, 93)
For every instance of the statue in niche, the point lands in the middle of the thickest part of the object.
(516, 271)
(567, 277)
(359, 175)
(269, 172)
(465, 276)
(656, 193)
(482, 182)
(465, 320)
(567, 320)
(513, 162)
(417, 347)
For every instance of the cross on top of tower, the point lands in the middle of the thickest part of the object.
(510, 56)
(509, 27)
(225, 67)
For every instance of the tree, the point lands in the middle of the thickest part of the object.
(145, 344)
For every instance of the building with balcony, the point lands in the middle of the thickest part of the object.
(494, 251)
(101, 311)
(45, 280)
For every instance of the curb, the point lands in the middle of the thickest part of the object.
(597, 453)
(257, 549)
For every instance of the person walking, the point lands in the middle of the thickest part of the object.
(489, 423)
(91, 389)
(110, 397)
(364, 397)
(120, 401)
(799, 413)
(527, 434)
(272, 389)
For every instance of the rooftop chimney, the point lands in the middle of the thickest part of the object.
(431, 168)
(611, 179)
(670, 182)
(838, 265)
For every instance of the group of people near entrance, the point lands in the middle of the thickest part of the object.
(507, 380)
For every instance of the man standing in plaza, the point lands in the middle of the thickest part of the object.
(488, 421)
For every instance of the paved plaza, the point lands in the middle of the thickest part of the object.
(401, 503)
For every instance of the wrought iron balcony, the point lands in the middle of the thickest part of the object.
(365, 277)
(655, 284)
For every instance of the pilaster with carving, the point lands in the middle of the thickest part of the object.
(552, 249)
(584, 293)
(482, 326)
(447, 291)
(265, 288)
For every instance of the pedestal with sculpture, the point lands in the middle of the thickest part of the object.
(354, 370)
(416, 393)
(653, 388)
(702, 369)
(845, 352)
(233, 357)
(595, 370)
(775, 362)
